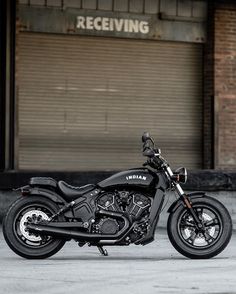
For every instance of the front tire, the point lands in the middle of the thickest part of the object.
(195, 244)
(19, 239)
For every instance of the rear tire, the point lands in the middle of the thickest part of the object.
(21, 241)
(188, 241)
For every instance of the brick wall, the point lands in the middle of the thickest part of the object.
(225, 85)
(208, 102)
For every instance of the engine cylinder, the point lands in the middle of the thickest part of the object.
(134, 203)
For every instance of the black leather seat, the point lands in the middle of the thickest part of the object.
(70, 192)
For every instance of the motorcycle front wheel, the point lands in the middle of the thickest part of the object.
(24, 243)
(211, 239)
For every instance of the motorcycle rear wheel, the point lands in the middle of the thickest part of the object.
(22, 241)
(195, 244)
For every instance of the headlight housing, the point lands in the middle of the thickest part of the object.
(180, 175)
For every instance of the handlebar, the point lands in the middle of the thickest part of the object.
(149, 150)
(148, 145)
(157, 162)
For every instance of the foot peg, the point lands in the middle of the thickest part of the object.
(102, 251)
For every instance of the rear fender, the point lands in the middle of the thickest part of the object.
(178, 202)
(36, 191)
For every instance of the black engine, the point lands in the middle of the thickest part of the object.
(134, 203)
(107, 226)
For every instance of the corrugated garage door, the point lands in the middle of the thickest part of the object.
(85, 101)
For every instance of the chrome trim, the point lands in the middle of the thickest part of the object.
(185, 174)
(179, 189)
(169, 171)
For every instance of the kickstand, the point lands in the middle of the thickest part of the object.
(102, 251)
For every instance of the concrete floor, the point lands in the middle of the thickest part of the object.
(154, 268)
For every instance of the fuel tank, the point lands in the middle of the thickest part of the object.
(133, 177)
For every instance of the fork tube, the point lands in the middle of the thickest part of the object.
(185, 199)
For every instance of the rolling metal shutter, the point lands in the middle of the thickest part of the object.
(85, 101)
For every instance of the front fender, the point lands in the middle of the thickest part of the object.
(178, 202)
(33, 191)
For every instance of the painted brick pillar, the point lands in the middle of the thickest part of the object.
(225, 85)
(208, 102)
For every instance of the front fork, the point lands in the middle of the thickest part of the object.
(184, 197)
(192, 212)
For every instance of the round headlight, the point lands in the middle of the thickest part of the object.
(182, 174)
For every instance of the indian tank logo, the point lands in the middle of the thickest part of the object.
(136, 177)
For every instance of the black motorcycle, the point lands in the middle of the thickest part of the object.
(121, 210)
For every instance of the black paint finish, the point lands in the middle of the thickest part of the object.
(134, 177)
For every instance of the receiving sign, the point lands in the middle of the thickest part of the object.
(112, 24)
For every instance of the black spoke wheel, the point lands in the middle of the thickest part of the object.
(210, 239)
(211, 227)
(21, 240)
